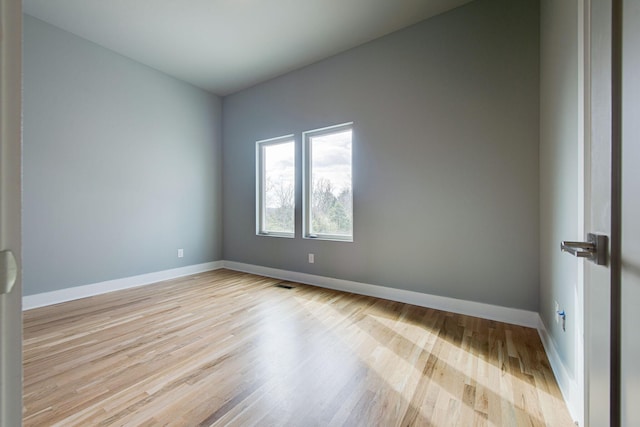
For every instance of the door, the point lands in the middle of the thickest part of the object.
(612, 207)
(10, 210)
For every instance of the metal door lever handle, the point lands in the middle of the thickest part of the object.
(594, 249)
(579, 249)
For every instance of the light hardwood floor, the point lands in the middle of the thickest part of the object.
(228, 348)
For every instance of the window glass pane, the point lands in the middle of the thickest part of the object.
(279, 187)
(331, 192)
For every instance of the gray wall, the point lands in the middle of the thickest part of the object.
(122, 165)
(445, 157)
(559, 161)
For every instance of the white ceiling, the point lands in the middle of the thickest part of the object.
(227, 45)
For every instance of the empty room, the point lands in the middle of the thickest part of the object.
(355, 213)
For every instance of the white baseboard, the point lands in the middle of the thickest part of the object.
(77, 292)
(566, 382)
(469, 308)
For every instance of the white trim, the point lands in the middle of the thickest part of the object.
(77, 292)
(568, 385)
(469, 308)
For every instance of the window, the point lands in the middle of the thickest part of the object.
(275, 185)
(328, 201)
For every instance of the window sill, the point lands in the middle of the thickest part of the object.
(281, 235)
(332, 238)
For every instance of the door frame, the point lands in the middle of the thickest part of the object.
(10, 208)
(584, 199)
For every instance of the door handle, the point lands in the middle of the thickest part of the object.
(8, 271)
(594, 249)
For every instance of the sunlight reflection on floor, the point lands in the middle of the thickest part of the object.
(490, 383)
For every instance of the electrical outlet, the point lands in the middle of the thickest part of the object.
(557, 309)
(180, 253)
(312, 258)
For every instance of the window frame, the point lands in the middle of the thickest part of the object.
(260, 186)
(307, 182)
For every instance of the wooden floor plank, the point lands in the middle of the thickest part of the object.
(230, 348)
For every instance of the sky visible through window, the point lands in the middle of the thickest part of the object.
(279, 168)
